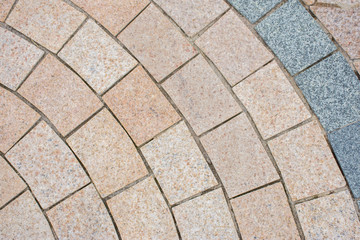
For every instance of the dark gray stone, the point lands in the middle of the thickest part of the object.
(295, 37)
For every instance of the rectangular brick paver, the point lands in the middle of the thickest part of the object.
(5, 7)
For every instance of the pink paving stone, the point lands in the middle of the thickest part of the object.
(48, 22)
(5, 6)
(233, 48)
(82, 216)
(193, 15)
(107, 153)
(238, 156)
(60, 94)
(265, 214)
(156, 43)
(306, 162)
(15, 119)
(140, 106)
(140, 212)
(17, 59)
(47, 165)
(201, 96)
(271, 100)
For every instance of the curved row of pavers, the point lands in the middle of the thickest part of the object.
(172, 85)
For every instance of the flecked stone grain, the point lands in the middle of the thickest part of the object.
(5, 6)
(357, 65)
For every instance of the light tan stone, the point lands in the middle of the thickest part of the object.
(357, 65)
(5, 6)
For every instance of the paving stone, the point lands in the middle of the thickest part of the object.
(346, 144)
(113, 14)
(295, 37)
(5, 7)
(333, 92)
(18, 57)
(48, 22)
(16, 118)
(156, 43)
(306, 162)
(357, 65)
(98, 58)
(47, 165)
(329, 217)
(201, 96)
(140, 106)
(271, 100)
(309, 2)
(140, 212)
(178, 164)
(23, 219)
(265, 214)
(192, 16)
(82, 216)
(60, 94)
(10, 183)
(238, 156)
(205, 217)
(233, 48)
(254, 9)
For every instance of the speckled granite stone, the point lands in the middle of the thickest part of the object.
(294, 36)
(333, 92)
(5, 6)
(346, 144)
(357, 65)
(254, 9)
(309, 2)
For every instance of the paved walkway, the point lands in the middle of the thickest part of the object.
(169, 119)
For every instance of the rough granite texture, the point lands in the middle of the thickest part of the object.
(357, 65)
(5, 6)
(294, 36)
(333, 92)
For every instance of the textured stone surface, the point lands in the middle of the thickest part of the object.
(17, 58)
(306, 162)
(271, 100)
(333, 92)
(107, 153)
(238, 156)
(201, 96)
(205, 217)
(193, 16)
(15, 119)
(346, 144)
(233, 48)
(47, 165)
(294, 36)
(140, 106)
(178, 164)
(140, 212)
(329, 217)
(357, 65)
(23, 219)
(60, 94)
(48, 22)
(265, 214)
(157, 44)
(5, 7)
(82, 216)
(309, 2)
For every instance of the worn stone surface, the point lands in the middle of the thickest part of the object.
(309, 2)
(357, 65)
(5, 7)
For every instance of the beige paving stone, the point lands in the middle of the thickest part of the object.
(60, 94)
(48, 22)
(233, 48)
(238, 156)
(82, 216)
(98, 58)
(23, 219)
(265, 214)
(156, 43)
(271, 100)
(15, 119)
(357, 65)
(309, 2)
(201, 96)
(107, 153)
(17, 59)
(140, 212)
(178, 164)
(47, 165)
(194, 15)
(140, 106)
(329, 217)
(306, 162)
(5, 6)
(205, 217)
(10, 183)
